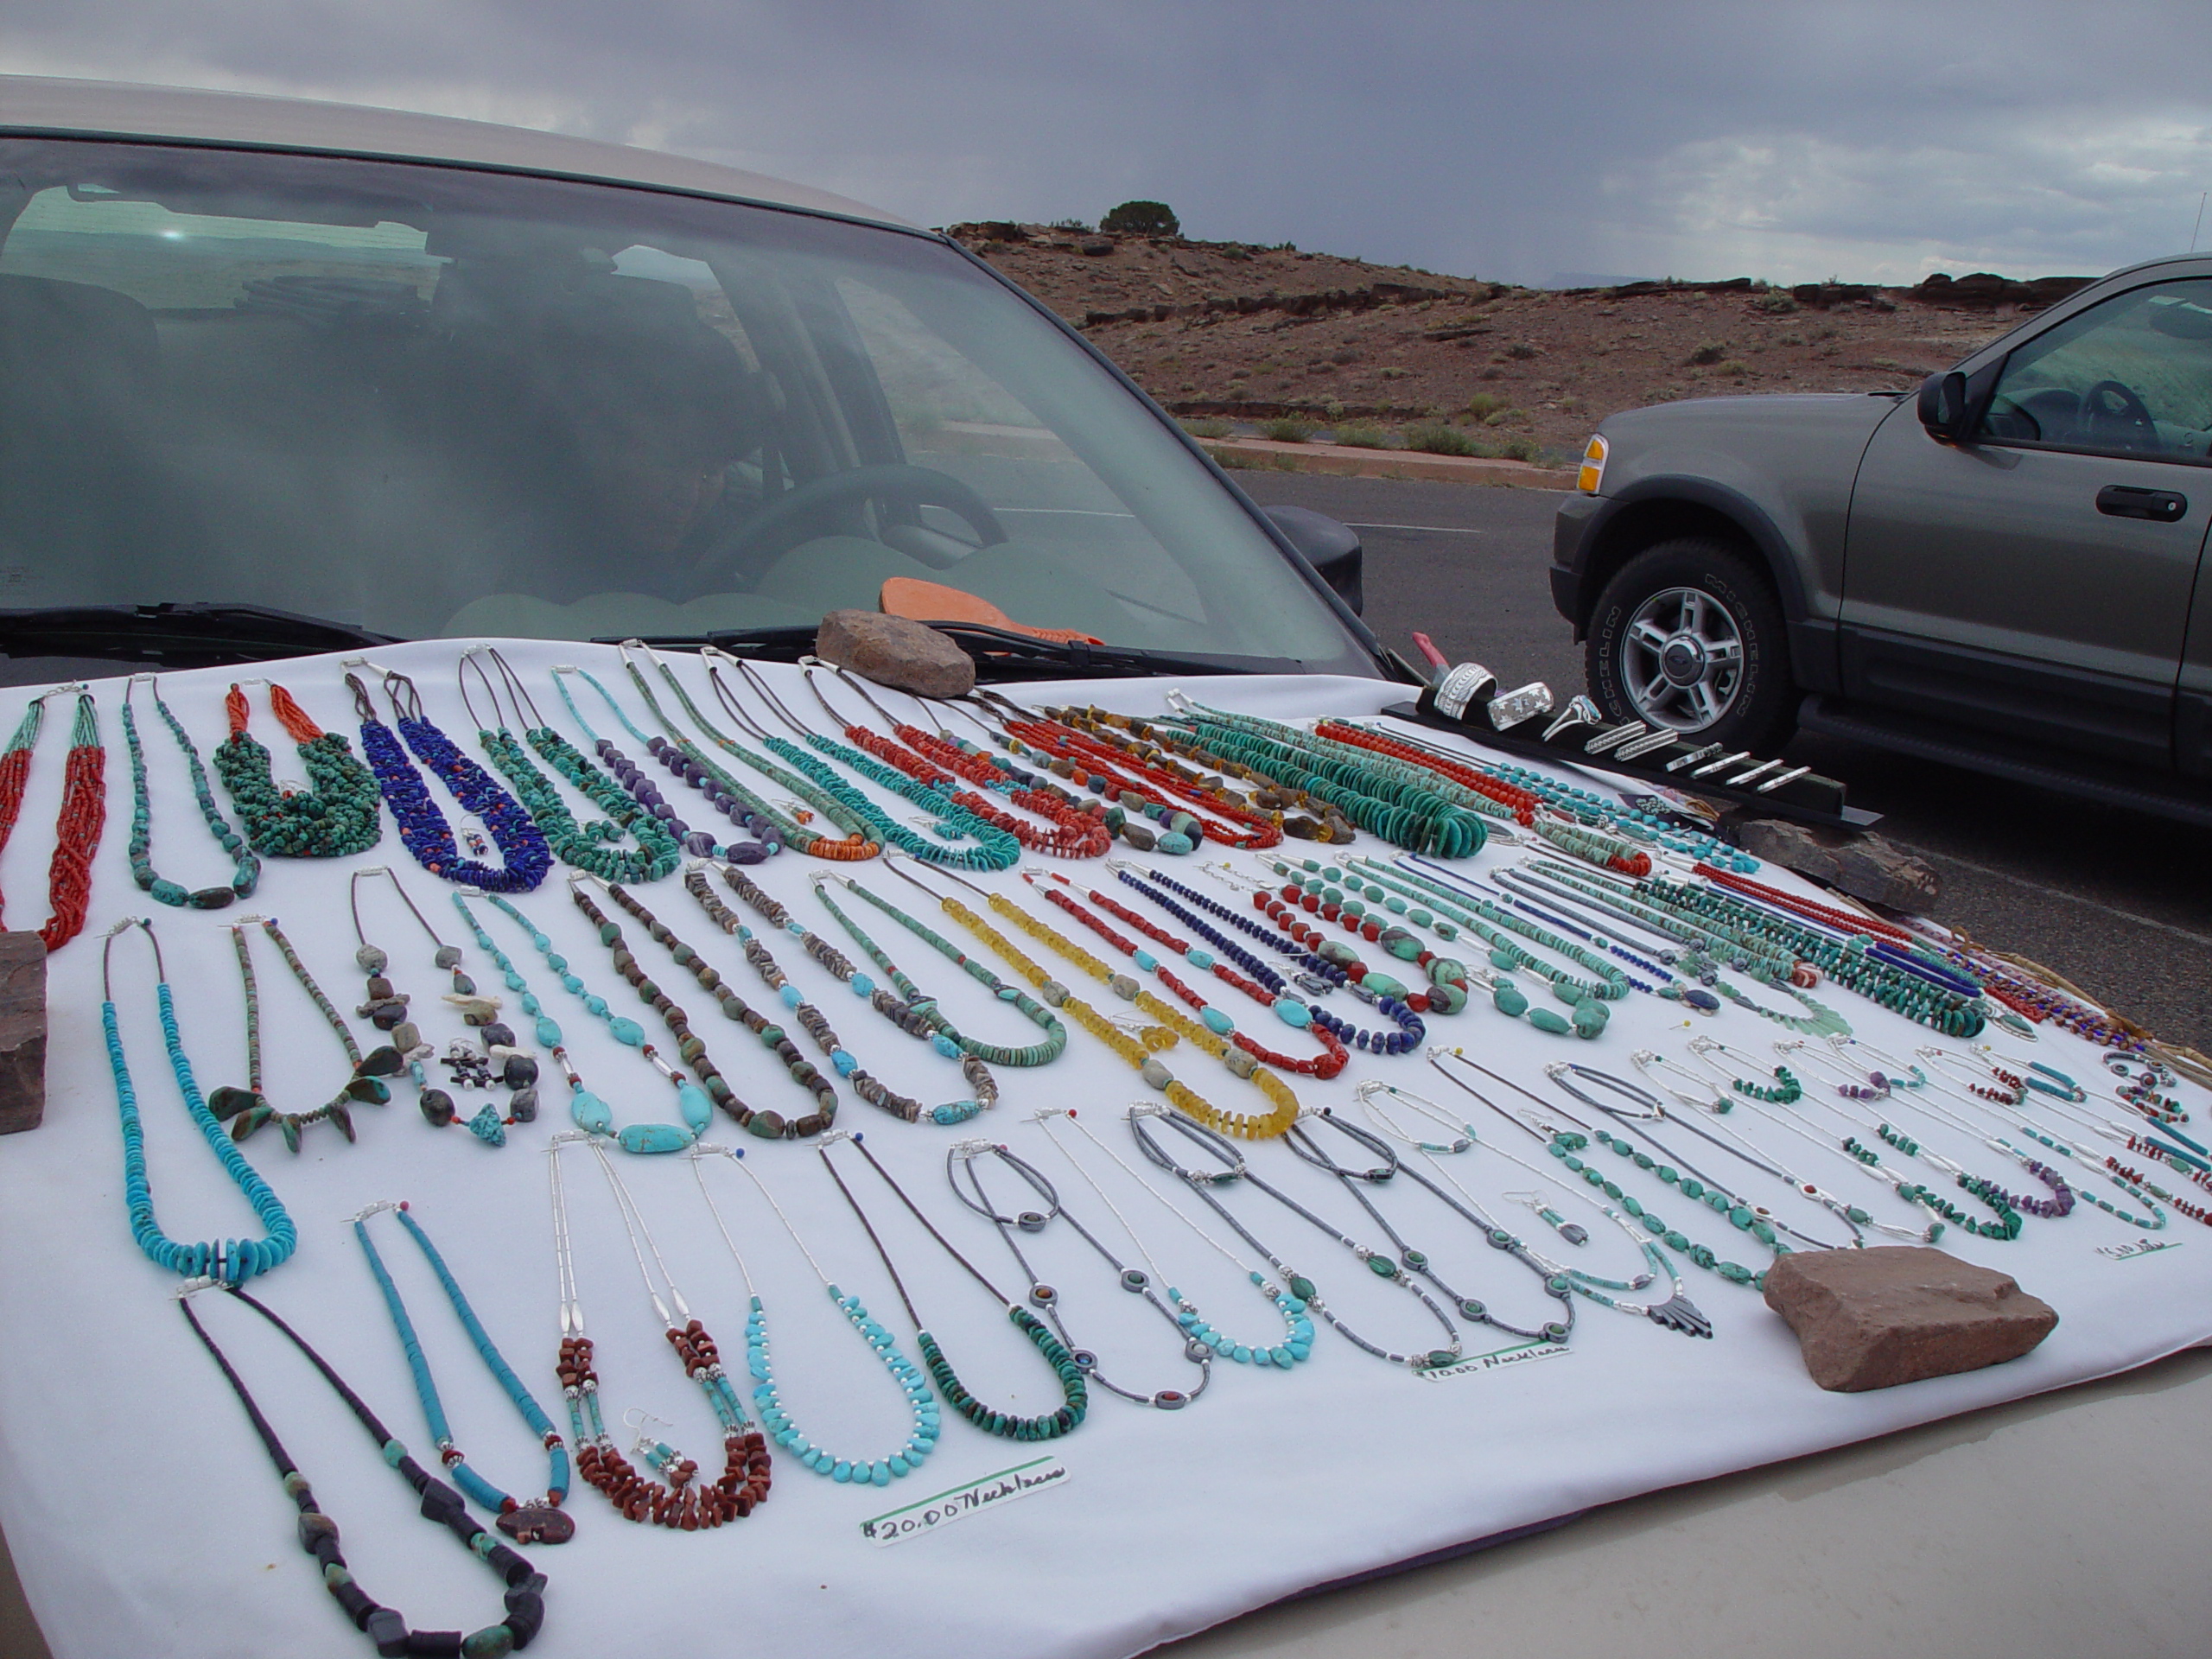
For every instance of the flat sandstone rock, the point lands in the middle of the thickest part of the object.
(1898, 1313)
(1863, 865)
(22, 1032)
(893, 652)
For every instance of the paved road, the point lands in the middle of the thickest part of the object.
(2118, 904)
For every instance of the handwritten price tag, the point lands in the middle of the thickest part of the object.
(1527, 1353)
(1023, 1480)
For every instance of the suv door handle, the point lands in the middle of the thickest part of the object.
(2126, 501)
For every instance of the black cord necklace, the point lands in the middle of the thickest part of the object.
(386, 1626)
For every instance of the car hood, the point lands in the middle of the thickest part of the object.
(1833, 414)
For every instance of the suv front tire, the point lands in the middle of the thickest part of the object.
(1688, 634)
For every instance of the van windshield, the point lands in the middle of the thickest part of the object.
(431, 402)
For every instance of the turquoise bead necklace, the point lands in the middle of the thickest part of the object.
(246, 863)
(341, 816)
(939, 1024)
(1567, 1141)
(1637, 823)
(232, 1261)
(768, 1398)
(592, 1114)
(1676, 1313)
(584, 846)
(1297, 1342)
(536, 1521)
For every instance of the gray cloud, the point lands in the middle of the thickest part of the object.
(1874, 140)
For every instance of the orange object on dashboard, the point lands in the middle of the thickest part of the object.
(932, 601)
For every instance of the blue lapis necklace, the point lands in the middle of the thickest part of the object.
(231, 1261)
(767, 1398)
(537, 1520)
(593, 1114)
(423, 826)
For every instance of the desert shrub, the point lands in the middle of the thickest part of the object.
(1076, 225)
(1442, 440)
(1361, 437)
(1492, 372)
(1394, 372)
(1141, 219)
(1776, 305)
(1519, 448)
(1711, 352)
(1484, 405)
(1505, 418)
(1287, 428)
(1246, 461)
(1344, 355)
(1212, 427)
(1521, 351)
(1732, 368)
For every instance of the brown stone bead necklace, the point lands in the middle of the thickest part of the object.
(679, 1498)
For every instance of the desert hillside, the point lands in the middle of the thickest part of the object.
(1237, 338)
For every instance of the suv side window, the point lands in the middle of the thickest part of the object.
(2130, 377)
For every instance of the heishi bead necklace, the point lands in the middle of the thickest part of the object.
(1519, 802)
(1599, 936)
(691, 763)
(1567, 1141)
(653, 852)
(245, 862)
(1076, 832)
(422, 827)
(961, 1160)
(1297, 1342)
(386, 1627)
(591, 1114)
(1677, 1313)
(83, 814)
(926, 1008)
(1325, 1065)
(810, 1018)
(386, 1008)
(1074, 1390)
(1230, 1168)
(248, 1108)
(679, 1498)
(532, 1520)
(903, 1014)
(768, 1125)
(743, 812)
(232, 1260)
(767, 1397)
(340, 817)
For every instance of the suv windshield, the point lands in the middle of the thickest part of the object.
(429, 401)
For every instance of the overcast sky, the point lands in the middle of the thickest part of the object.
(1869, 141)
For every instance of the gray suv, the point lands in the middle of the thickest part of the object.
(2002, 573)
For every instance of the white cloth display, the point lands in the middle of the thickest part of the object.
(144, 1519)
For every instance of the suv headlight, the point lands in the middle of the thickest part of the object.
(1593, 467)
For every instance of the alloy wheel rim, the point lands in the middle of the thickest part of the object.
(1682, 659)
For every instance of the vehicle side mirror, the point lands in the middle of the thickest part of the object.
(1331, 548)
(1952, 406)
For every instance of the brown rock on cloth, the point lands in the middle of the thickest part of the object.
(1863, 865)
(1898, 1313)
(893, 652)
(22, 1032)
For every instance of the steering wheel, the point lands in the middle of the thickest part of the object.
(919, 486)
(2112, 413)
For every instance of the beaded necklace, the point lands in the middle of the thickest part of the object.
(2140, 1080)
(691, 763)
(387, 1009)
(767, 1398)
(1676, 1313)
(245, 863)
(961, 1160)
(768, 1125)
(83, 814)
(1328, 966)
(537, 1520)
(1579, 804)
(1074, 1390)
(939, 762)
(989, 847)
(925, 1007)
(1297, 1342)
(1520, 804)
(1232, 1169)
(1326, 1066)
(422, 827)
(248, 1108)
(904, 1015)
(386, 1627)
(337, 818)
(1598, 936)
(743, 812)
(654, 853)
(232, 1260)
(678, 1499)
(811, 1020)
(1567, 1143)
(1141, 1052)
(591, 1114)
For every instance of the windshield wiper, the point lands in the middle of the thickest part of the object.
(999, 654)
(192, 635)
